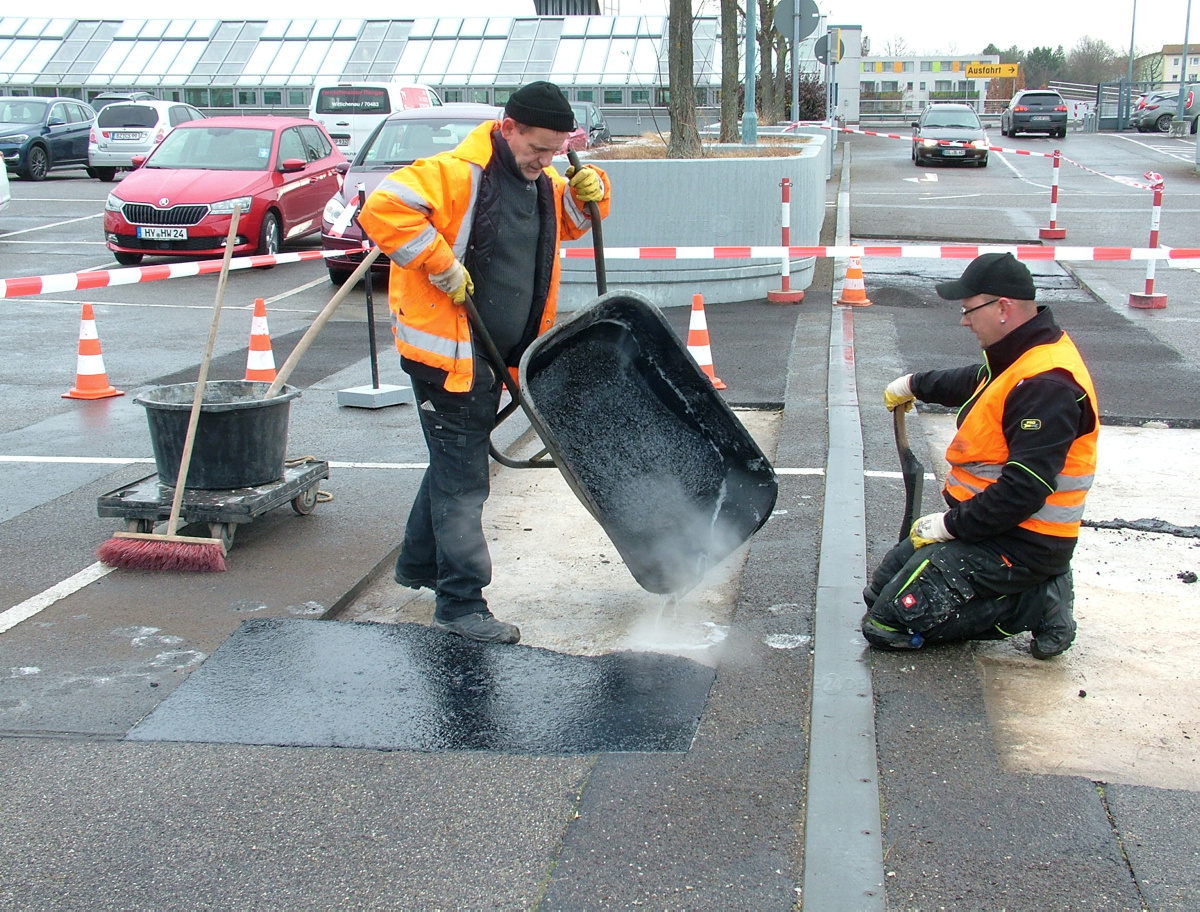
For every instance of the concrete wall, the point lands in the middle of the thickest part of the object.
(708, 202)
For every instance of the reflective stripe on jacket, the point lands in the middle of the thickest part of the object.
(421, 218)
(979, 451)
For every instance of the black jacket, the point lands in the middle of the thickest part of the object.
(1065, 413)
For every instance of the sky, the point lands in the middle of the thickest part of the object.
(924, 28)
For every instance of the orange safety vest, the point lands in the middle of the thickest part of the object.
(979, 451)
(421, 218)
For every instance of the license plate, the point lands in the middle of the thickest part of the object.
(954, 151)
(127, 136)
(162, 234)
(341, 140)
(1041, 116)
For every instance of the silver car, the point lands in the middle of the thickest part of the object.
(132, 128)
(1157, 109)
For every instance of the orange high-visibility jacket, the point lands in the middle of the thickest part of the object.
(421, 218)
(979, 451)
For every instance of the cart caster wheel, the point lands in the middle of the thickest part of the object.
(144, 526)
(304, 502)
(223, 531)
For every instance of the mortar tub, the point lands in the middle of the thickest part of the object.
(645, 441)
(241, 438)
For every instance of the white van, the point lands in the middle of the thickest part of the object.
(349, 111)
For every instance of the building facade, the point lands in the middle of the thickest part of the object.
(905, 85)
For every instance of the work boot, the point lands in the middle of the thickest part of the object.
(413, 582)
(481, 627)
(884, 636)
(1055, 633)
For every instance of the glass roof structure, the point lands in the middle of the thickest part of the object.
(594, 51)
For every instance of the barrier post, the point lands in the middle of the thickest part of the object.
(785, 295)
(1054, 232)
(1148, 300)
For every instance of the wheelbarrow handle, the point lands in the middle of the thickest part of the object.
(597, 232)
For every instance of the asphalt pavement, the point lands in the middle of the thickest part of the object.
(99, 818)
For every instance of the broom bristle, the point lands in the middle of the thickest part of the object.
(146, 554)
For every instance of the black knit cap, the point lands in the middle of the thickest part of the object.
(541, 104)
(993, 273)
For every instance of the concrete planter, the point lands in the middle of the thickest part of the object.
(708, 202)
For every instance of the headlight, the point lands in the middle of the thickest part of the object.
(333, 210)
(225, 206)
(113, 203)
(17, 138)
(980, 144)
(929, 143)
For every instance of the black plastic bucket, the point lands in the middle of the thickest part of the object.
(241, 438)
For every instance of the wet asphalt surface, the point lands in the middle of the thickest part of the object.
(97, 817)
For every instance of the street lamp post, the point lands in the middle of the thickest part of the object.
(749, 117)
(1187, 23)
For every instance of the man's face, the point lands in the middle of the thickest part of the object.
(987, 317)
(532, 147)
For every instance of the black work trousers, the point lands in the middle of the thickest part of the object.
(444, 539)
(960, 591)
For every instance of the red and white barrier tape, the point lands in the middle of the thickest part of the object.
(107, 278)
(81, 281)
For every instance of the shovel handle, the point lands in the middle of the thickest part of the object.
(597, 232)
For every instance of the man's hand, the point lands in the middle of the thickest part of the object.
(899, 393)
(586, 183)
(928, 530)
(455, 281)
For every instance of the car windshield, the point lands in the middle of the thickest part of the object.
(1042, 99)
(401, 142)
(21, 110)
(961, 119)
(215, 149)
(127, 115)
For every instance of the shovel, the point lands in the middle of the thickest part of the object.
(911, 470)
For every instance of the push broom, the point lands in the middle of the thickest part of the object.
(172, 551)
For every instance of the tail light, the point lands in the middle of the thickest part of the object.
(1141, 104)
(159, 136)
(1191, 97)
(1020, 108)
(92, 135)
(1060, 108)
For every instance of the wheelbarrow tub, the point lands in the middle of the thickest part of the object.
(645, 441)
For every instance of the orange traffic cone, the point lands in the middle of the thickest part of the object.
(697, 343)
(91, 380)
(854, 292)
(260, 360)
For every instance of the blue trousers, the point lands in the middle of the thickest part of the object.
(443, 539)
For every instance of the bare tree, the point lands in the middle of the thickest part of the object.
(685, 138)
(1093, 61)
(729, 71)
(895, 47)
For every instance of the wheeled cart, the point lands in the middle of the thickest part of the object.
(148, 501)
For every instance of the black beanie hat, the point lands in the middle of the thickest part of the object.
(541, 104)
(992, 273)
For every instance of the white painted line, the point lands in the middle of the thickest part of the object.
(82, 218)
(39, 603)
(78, 460)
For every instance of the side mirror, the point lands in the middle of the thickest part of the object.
(137, 161)
(289, 165)
(56, 122)
(916, 124)
(342, 167)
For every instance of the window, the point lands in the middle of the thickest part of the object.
(221, 98)
(197, 98)
(701, 96)
(272, 97)
(639, 96)
(614, 96)
(292, 146)
(453, 95)
(247, 98)
(298, 98)
(585, 94)
(316, 143)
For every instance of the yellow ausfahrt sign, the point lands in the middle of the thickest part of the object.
(992, 70)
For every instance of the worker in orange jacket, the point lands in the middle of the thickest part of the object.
(997, 560)
(484, 219)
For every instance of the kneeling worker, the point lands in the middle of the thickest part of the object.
(998, 561)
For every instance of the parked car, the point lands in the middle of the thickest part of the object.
(400, 140)
(38, 134)
(104, 99)
(949, 132)
(591, 129)
(282, 170)
(1035, 111)
(1157, 109)
(129, 128)
(350, 111)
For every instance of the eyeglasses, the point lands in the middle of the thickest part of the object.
(971, 310)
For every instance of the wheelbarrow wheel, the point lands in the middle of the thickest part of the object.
(144, 526)
(224, 532)
(304, 502)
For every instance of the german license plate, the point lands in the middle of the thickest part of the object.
(341, 140)
(162, 234)
(127, 136)
(1041, 116)
(954, 151)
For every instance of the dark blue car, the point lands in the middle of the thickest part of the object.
(37, 134)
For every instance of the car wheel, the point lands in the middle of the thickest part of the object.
(268, 235)
(339, 276)
(1003, 129)
(1163, 123)
(37, 163)
(1193, 130)
(107, 175)
(127, 259)
(983, 162)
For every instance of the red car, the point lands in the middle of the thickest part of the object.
(283, 170)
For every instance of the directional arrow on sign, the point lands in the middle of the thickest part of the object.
(927, 179)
